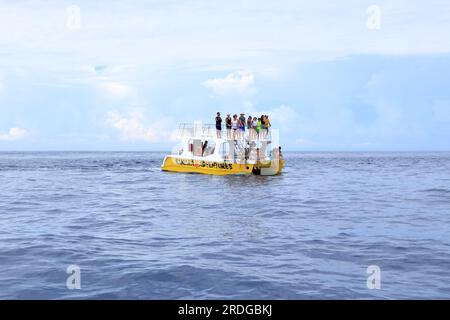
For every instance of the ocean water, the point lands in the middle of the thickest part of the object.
(139, 233)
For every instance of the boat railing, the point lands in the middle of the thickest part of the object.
(196, 130)
(249, 135)
(200, 130)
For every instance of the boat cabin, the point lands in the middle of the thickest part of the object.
(198, 141)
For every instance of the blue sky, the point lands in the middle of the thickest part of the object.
(120, 75)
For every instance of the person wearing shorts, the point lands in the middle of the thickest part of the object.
(228, 126)
(234, 126)
(242, 125)
(218, 126)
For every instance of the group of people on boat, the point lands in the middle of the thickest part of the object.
(258, 128)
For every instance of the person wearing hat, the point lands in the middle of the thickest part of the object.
(242, 125)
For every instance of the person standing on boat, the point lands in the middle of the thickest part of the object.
(253, 128)
(218, 126)
(242, 125)
(267, 124)
(263, 127)
(258, 128)
(249, 126)
(228, 125)
(234, 126)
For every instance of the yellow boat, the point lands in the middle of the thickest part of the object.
(204, 150)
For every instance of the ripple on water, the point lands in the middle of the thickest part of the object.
(138, 232)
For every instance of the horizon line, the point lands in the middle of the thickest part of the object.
(161, 151)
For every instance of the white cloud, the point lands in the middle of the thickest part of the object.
(236, 82)
(112, 69)
(14, 134)
(134, 127)
(282, 117)
(116, 89)
(258, 35)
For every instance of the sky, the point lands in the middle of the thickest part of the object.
(350, 75)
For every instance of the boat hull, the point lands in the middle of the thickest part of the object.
(205, 167)
(268, 168)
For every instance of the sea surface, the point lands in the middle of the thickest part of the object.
(136, 232)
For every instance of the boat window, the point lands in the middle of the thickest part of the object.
(209, 149)
(198, 147)
(190, 145)
(225, 150)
